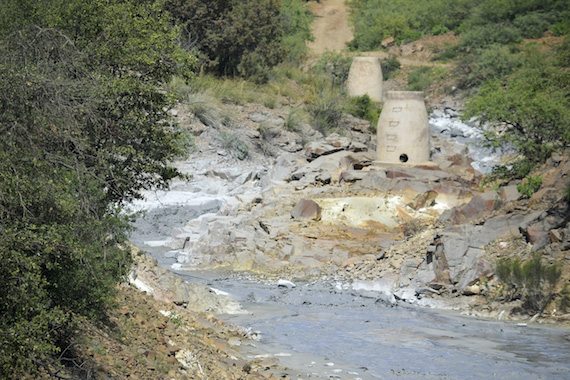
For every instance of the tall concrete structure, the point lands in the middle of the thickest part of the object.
(403, 129)
(365, 77)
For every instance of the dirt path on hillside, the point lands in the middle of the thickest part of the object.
(331, 29)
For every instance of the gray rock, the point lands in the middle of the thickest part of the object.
(306, 209)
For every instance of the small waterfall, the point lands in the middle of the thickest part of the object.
(449, 125)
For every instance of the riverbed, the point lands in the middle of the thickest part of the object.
(324, 329)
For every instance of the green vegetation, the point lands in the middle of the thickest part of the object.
(533, 282)
(390, 66)
(529, 185)
(405, 20)
(85, 128)
(233, 145)
(526, 110)
(326, 111)
(364, 108)
(243, 38)
(296, 23)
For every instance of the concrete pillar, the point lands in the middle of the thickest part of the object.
(403, 129)
(365, 78)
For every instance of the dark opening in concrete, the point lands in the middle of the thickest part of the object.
(403, 157)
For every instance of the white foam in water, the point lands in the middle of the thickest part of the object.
(484, 159)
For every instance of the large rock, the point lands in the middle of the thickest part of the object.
(316, 149)
(481, 205)
(307, 209)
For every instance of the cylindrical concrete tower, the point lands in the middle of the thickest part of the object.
(403, 129)
(365, 78)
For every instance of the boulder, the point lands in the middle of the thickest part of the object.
(426, 199)
(388, 42)
(509, 193)
(479, 206)
(307, 209)
(352, 175)
(338, 141)
(317, 149)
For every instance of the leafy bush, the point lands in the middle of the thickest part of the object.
(528, 110)
(494, 62)
(485, 35)
(389, 66)
(85, 128)
(364, 108)
(529, 185)
(335, 65)
(533, 282)
(233, 37)
(296, 23)
(405, 20)
(439, 29)
(532, 25)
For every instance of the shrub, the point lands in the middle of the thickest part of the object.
(533, 282)
(296, 23)
(528, 110)
(389, 66)
(493, 62)
(530, 185)
(439, 29)
(419, 79)
(335, 65)
(532, 25)
(293, 121)
(482, 36)
(233, 37)
(364, 108)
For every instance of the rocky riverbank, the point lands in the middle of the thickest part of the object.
(425, 234)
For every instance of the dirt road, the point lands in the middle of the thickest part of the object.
(330, 27)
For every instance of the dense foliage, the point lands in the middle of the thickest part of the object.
(482, 21)
(243, 38)
(84, 129)
(527, 110)
(232, 37)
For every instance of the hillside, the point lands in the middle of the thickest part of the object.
(240, 160)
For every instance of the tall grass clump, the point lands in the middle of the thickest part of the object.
(233, 145)
(205, 108)
(533, 282)
(326, 112)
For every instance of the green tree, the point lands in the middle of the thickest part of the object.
(232, 37)
(85, 128)
(527, 111)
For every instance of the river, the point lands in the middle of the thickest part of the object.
(326, 330)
